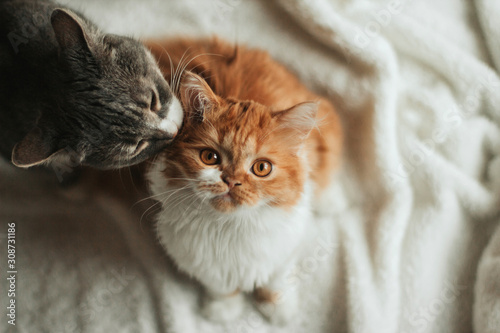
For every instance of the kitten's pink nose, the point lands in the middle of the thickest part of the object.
(231, 182)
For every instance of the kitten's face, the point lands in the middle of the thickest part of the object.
(234, 154)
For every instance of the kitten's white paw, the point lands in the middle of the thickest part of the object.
(280, 310)
(223, 309)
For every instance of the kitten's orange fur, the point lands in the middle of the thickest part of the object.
(248, 78)
(244, 230)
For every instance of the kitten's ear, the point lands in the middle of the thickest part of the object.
(196, 95)
(301, 118)
(33, 150)
(68, 30)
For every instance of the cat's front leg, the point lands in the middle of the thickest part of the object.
(222, 307)
(277, 306)
(278, 301)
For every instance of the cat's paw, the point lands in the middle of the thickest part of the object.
(278, 309)
(223, 309)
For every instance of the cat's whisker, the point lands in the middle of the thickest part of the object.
(180, 198)
(160, 194)
(151, 197)
(147, 210)
(204, 63)
(153, 161)
(189, 179)
(203, 201)
(177, 72)
(171, 66)
(177, 190)
(182, 66)
(188, 208)
(175, 202)
(120, 159)
(129, 169)
(170, 61)
(191, 60)
(162, 202)
(205, 77)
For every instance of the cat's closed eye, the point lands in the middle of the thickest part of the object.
(150, 102)
(139, 147)
(154, 104)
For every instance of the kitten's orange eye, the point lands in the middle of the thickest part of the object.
(209, 157)
(262, 168)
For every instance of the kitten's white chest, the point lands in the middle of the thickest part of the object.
(232, 251)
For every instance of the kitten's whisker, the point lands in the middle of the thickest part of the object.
(188, 209)
(205, 62)
(160, 194)
(171, 204)
(203, 72)
(161, 202)
(147, 210)
(151, 197)
(184, 198)
(190, 179)
(174, 192)
(154, 159)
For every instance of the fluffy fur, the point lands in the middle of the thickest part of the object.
(224, 223)
(70, 92)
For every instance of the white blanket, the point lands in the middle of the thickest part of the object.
(414, 244)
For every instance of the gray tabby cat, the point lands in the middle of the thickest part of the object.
(71, 92)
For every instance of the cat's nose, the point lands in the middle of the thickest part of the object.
(163, 135)
(231, 183)
(168, 128)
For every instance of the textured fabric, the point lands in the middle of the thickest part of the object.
(414, 243)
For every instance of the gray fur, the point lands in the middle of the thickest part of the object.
(84, 97)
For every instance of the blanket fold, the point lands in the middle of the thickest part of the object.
(413, 244)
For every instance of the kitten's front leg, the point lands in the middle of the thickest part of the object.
(278, 301)
(221, 307)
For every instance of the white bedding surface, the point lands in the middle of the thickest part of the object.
(414, 245)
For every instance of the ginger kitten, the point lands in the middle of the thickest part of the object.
(239, 182)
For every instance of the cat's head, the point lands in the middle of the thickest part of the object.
(115, 107)
(233, 154)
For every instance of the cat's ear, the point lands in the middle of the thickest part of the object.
(68, 30)
(196, 95)
(36, 148)
(299, 119)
